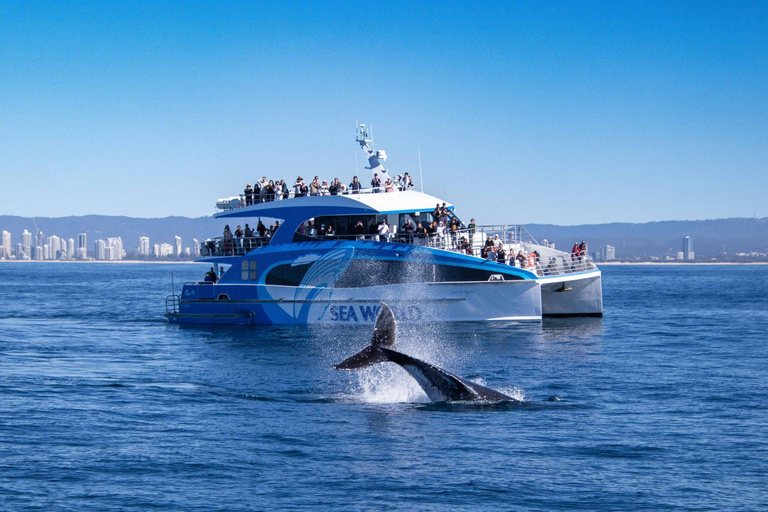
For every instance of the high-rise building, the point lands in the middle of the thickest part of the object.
(156, 250)
(70, 249)
(53, 247)
(40, 239)
(26, 240)
(187, 252)
(117, 247)
(82, 243)
(99, 251)
(195, 248)
(178, 245)
(143, 246)
(608, 253)
(688, 248)
(38, 253)
(5, 241)
(20, 252)
(166, 250)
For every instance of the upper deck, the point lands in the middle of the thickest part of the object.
(367, 201)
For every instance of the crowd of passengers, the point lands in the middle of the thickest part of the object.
(264, 191)
(445, 227)
(242, 240)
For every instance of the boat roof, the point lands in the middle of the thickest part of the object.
(368, 203)
(296, 210)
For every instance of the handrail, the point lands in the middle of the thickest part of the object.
(243, 200)
(234, 246)
(172, 304)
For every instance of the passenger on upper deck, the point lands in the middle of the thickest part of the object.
(227, 239)
(298, 187)
(248, 192)
(376, 183)
(355, 186)
(263, 192)
(239, 236)
(407, 182)
(522, 258)
(248, 232)
(261, 229)
(501, 255)
(314, 187)
(408, 227)
(324, 189)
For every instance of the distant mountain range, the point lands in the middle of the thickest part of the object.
(711, 238)
(715, 238)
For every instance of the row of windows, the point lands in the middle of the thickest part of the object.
(362, 273)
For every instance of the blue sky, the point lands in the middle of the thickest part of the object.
(524, 111)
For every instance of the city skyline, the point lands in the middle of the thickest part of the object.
(562, 113)
(53, 247)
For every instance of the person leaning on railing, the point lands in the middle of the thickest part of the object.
(314, 187)
(248, 193)
(355, 186)
(228, 240)
(376, 183)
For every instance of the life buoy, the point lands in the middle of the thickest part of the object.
(532, 260)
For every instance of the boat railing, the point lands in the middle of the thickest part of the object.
(470, 241)
(244, 200)
(172, 303)
(234, 246)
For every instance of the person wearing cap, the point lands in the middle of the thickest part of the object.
(248, 195)
(297, 187)
(324, 191)
(384, 230)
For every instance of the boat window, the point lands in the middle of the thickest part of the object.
(362, 273)
(343, 225)
(287, 275)
(223, 296)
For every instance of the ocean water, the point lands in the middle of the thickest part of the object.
(103, 406)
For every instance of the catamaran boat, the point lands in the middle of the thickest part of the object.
(330, 261)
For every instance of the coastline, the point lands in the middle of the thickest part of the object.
(130, 262)
(681, 263)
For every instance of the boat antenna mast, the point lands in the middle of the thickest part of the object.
(364, 137)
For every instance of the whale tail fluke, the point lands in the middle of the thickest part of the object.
(366, 357)
(385, 330)
(384, 335)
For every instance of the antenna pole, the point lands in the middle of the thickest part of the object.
(421, 175)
